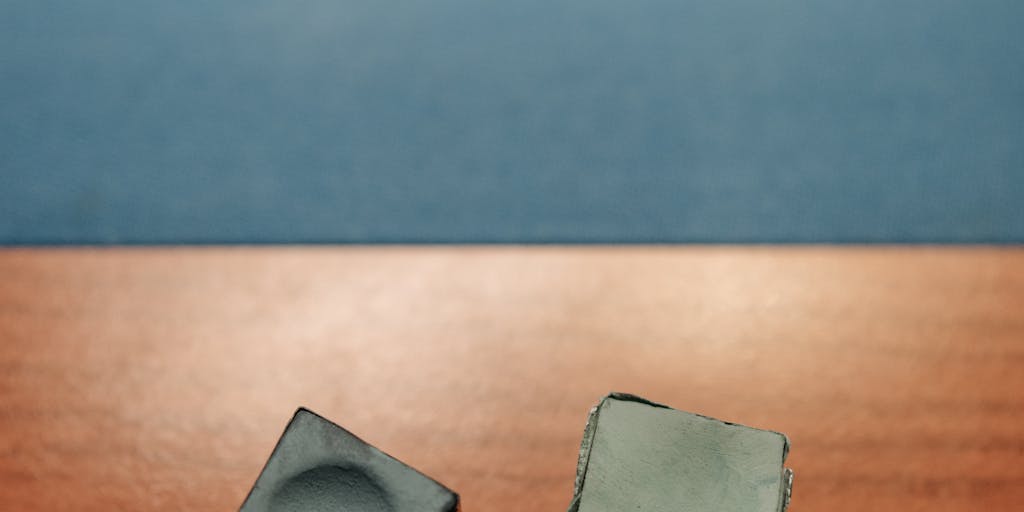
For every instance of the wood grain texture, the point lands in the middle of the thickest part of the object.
(160, 379)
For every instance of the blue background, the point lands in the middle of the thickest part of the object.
(513, 121)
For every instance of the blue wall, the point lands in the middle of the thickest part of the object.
(528, 120)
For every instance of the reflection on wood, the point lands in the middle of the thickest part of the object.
(157, 379)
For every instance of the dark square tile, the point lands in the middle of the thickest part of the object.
(318, 466)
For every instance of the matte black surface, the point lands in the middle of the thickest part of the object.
(318, 466)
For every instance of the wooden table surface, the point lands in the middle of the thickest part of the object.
(160, 379)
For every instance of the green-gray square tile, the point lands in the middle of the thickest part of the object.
(638, 455)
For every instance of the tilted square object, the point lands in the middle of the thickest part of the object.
(319, 466)
(635, 455)
(639, 455)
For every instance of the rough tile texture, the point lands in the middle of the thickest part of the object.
(637, 455)
(318, 466)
